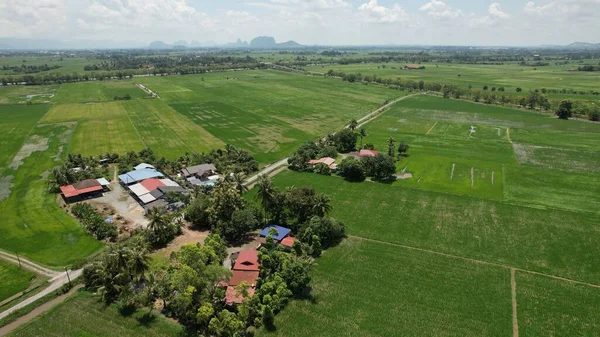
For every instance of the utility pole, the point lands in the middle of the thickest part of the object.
(18, 259)
(68, 277)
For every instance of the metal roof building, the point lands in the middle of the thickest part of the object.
(139, 175)
(282, 232)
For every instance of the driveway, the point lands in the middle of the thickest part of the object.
(120, 200)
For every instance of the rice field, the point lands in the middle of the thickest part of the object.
(12, 279)
(84, 315)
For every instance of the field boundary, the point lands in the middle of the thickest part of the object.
(489, 263)
(431, 128)
(513, 291)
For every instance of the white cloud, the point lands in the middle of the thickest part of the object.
(496, 11)
(381, 14)
(440, 10)
(33, 19)
(239, 18)
(314, 4)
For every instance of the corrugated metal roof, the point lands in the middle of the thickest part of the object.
(139, 175)
(143, 166)
(152, 184)
(147, 198)
(247, 260)
(282, 232)
(138, 189)
(169, 182)
(103, 182)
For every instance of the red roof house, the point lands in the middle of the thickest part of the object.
(152, 184)
(368, 153)
(288, 241)
(232, 296)
(247, 261)
(325, 160)
(81, 188)
(240, 276)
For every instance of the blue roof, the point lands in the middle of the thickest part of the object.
(139, 175)
(282, 232)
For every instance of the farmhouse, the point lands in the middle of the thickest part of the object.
(279, 234)
(364, 153)
(202, 171)
(246, 269)
(325, 160)
(84, 189)
(412, 67)
(153, 189)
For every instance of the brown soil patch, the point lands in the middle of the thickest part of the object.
(189, 236)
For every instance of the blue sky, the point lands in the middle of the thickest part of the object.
(331, 22)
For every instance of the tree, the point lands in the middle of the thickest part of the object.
(242, 221)
(565, 109)
(485, 87)
(353, 124)
(225, 199)
(402, 149)
(345, 140)
(265, 193)
(238, 180)
(322, 205)
(380, 167)
(594, 114)
(519, 89)
(351, 170)
(197, 211)
(362, 133)
(139, 262)
(391, 146)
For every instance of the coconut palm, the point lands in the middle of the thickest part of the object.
(158, 220)
(139, 262)
(353, 125)
(238, 180)
(322, 205)
(391, 146)
(265, 192)
(362, 133)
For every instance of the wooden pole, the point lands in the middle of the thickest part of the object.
(18, 259)
(68, 277)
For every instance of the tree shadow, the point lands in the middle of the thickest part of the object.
(146, 319)
(127, 310)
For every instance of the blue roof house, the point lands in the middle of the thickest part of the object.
(282, 232)
(139, 175)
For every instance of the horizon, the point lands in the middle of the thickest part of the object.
(136, 23)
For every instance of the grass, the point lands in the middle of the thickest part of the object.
(269, 113)
(364, 288)
(33, 224)
(16, 121)
(21, 94)
(550, 307)
(97, 91)
(84, 315)
(550, 241)
(510, 75)
(12, 279)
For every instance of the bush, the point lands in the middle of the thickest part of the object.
(94, 223)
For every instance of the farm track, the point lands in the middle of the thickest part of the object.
(489, 263)
(513, 290)
(26, 264)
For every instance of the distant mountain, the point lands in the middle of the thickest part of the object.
(583, 45)
(238, 44)
(182, 43)
(268, 42)
(160, 45)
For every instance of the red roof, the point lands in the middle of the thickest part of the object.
(288, 241)
(70, 191)
(240, 276)
(368, 153)
(325, 160)
(411, 67)
(247, 260)
(232, 297)
(152, 184)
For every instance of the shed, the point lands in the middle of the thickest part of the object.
(103, 182)
(143, 166)
(139, 175)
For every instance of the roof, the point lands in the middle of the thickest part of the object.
(143, 166)
(325, 160)
(288, 241)
(138, 189)
(168, 182)
(198, 169)
(368, 153)
(157, 193)
(247, 260)
(166, 189)
(156, 204)
(240, 276)
(282, 232)
(152, 184)
(70, 191)
(147, 198)
(86, 184)
(139, 175)
(232, 297)
(103, 182)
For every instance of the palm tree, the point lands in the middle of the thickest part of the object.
(238, 180)
(158, 221)
(353, 124)
(265, 193)
(139, 262)
(322, 205)
(362, 133)
(391, 146)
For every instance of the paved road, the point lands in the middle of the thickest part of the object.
(57, 280)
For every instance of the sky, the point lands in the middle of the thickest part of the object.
(309, 22)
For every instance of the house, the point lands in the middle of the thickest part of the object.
(412, 67)
(247, 261)
(84, 189)
(280, 232)
(143, 166)
(232, 296)
(325, 160)
(153, 189)
(364, 153)
(288, 242)
(202, 171)
(136, 176)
